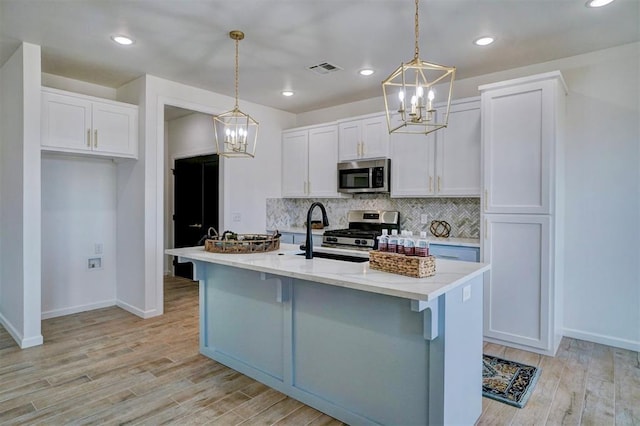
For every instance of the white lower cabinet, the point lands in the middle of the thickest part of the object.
(518, 290)
(75, 123)
(442, 163)
(309, 162)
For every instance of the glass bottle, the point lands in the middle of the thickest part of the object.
(422, 245)
(393, 241)
(383, 241)
(409, 244)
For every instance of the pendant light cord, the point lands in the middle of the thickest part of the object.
(236, 75)
(415, 55)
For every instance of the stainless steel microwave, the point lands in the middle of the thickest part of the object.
(364, 176)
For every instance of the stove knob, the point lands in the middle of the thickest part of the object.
(363, 242)
(331, 239)
(356, 242)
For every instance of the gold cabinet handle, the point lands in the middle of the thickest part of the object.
(486, 199)
(89, 138)
(439, 188)
(308, 187)
(95, 138)
(362, 150)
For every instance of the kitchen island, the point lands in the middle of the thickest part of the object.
(364, 346)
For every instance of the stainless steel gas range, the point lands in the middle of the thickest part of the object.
(364, 228)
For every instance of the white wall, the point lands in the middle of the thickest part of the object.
(602, 230)
(77, 86)
(246, 182)
(78, 212)
(20, 192)
(134, 251)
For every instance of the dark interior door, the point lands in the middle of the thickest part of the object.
(196, 189)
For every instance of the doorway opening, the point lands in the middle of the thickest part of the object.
(196, 205)
(193, 180)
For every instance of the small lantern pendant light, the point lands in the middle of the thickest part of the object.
(236, 132)
(408, 109)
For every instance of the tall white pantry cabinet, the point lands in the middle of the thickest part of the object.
(523, 210)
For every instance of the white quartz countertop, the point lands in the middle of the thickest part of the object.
(303, 230)
(464, 242)
(284, 262)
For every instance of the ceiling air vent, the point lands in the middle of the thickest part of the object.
(324, 68)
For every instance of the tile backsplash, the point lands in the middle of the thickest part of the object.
(463, 214)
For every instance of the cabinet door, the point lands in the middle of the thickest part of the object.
(375, 138)
(65, 123)
(517, 126)
(458, 152)
(323, 160)
(294, 163)
(349, 141)
(412, 165)
(517, 289)
(115, 129)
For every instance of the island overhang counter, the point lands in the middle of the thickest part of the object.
(364, 346)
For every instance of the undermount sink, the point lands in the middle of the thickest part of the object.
(334, 256)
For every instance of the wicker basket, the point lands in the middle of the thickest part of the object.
(246, 243)
(411, 266)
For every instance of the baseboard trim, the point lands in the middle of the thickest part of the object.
(602, 339)
(520, 346)
(32, 341)
(17, 336)
(79, 308)
(137, 311)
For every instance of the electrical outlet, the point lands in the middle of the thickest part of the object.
(466, 293)
(424, 218)
(98, 248)
(95, 263)
(236, 217)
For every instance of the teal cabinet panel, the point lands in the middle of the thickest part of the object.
(468, 254)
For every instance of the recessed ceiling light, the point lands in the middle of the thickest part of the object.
(287, 93)
(123, 40)
(484, 41)
(366, 72)
(598, 3)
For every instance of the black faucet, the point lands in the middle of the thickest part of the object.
(308, 248)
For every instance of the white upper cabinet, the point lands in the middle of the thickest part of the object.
(364, 138)
(309, 162)
(443, 163)
(412, 165)
(458, 151)
(519, 134)
(82, 124)
(295, 163)
(323, 162)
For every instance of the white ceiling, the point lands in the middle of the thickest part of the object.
(187, 40)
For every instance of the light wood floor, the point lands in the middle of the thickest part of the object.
(110, 367)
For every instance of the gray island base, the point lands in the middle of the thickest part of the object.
(363, 346)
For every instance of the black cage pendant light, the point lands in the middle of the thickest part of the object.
(236, 132)
(412, 92)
